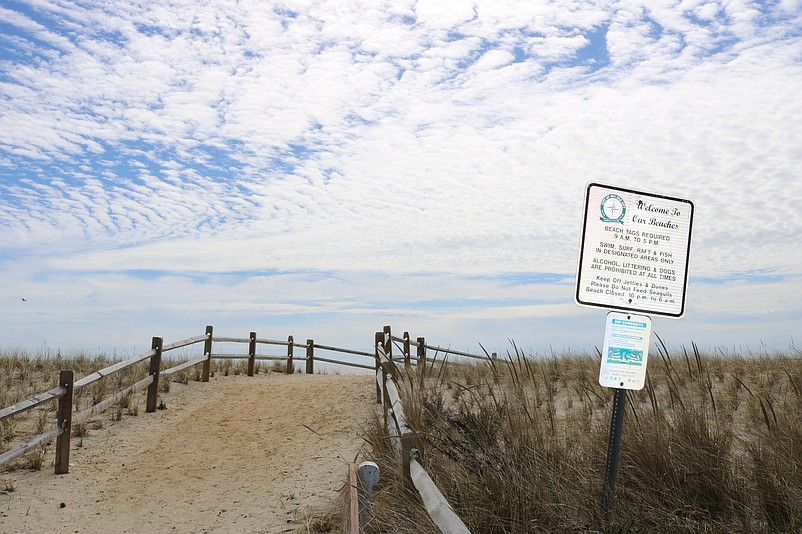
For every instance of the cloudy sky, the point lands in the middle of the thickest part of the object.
(323, 168)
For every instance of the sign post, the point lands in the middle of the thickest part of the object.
(633, 259)
(623, 366)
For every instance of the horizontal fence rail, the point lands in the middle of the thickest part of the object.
(182, 367)
(231, 339)
(277, 342)
(39, 440)
(438, 349)
(347, 364)
(344, 351)
(240, 356)
(183, 343)
(112, 369)
(33, 402)
(436, 505)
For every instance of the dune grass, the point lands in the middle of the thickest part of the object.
(713, 443)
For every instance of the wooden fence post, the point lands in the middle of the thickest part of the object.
(155, 367)
(207, 351)
(290, 364)
(407, 355)
(386, 406)
(377, 339)
(64, 421)
(310, 356)
(421, 351)
(351, 518)
(388, 342)
(252, 354)
(410, 441)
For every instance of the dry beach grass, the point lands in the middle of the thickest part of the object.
(712, 444)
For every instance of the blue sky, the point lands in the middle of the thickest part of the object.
(322, 168)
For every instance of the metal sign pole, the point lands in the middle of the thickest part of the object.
(613, 453)
(633, 260)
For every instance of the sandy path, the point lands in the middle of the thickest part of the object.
(236, 455)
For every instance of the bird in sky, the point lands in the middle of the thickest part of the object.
(24, 299)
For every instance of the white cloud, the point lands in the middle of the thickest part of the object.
(397, 138)
(442, 14)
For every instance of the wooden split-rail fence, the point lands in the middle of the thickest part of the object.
(406, 440)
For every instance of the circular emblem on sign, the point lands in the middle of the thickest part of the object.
(613, 209)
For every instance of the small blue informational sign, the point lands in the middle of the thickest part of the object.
(626, 350)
